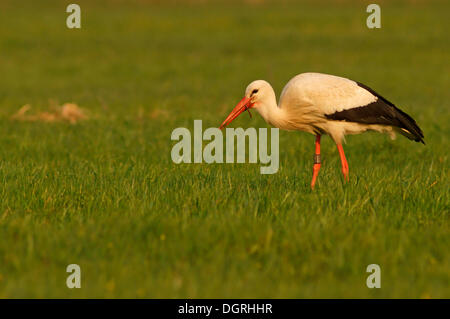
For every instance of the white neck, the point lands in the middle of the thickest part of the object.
(267, 107)
(285, 118)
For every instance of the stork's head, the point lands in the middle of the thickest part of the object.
(256, 94)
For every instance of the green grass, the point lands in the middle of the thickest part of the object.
(105, 194)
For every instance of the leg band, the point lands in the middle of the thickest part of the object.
(316, 158)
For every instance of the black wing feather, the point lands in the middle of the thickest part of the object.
(381, 112)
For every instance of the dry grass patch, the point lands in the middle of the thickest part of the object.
(68, 112)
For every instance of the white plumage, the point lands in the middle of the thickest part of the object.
(328, 93)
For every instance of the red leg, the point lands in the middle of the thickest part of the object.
(343, 161)
(316, 166)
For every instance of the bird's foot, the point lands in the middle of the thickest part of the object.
(316, 169)
(345, 173)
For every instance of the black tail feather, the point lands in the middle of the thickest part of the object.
(409, 124)
(400, 118)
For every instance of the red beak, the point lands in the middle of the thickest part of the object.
(243, 105)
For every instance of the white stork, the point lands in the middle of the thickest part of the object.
(326, 104)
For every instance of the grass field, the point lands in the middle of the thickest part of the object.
(103, 193)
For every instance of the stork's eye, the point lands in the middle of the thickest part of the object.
(254, 91)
